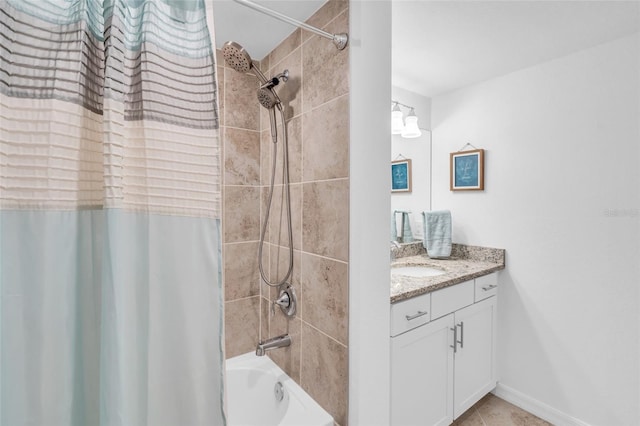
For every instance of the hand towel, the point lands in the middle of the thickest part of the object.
(407, 235)
(437, 233)
(394, 227)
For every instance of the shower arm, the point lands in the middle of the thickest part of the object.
(339, 40)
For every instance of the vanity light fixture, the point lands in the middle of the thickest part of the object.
(411, 129)
(407, 128)
(397, 125)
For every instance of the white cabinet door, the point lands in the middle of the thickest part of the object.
(475, 354)
(422, 375)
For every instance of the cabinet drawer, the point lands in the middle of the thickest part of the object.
(410, 314)
(451, 299)
(486, 286)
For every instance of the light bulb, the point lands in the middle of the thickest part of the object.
(397, 125)
(411, 129)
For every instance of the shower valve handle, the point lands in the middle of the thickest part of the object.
(286, 301)
(283, 301)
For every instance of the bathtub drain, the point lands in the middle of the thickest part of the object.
(278, 390)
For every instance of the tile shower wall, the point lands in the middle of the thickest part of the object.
(316, 104)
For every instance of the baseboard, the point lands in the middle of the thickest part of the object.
(540, 409)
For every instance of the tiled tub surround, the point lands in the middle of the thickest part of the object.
(316, 104)
(465, 263)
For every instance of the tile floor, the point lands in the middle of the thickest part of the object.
(493, 411)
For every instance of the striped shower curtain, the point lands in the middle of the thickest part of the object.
(110, 271)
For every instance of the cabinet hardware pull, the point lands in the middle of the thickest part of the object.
(419, 314)
(455, 339)
(461, 341)
(489, 287)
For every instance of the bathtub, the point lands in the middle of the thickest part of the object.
(253, 392)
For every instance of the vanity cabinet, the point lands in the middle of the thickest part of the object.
(440, 368)
(422, 375)
(474, 354)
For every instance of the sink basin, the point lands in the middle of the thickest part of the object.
(416, 271)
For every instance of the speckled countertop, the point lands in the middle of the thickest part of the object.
(465, 263)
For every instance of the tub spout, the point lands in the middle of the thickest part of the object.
(273, 343)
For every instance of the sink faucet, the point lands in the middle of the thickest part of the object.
(273, 343)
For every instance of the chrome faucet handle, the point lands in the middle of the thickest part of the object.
(287, 301)
(283, 301)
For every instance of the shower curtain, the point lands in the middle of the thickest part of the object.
(110, 270)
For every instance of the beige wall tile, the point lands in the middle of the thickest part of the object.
(325, 69)
(220, 76)
(287, 358)
(278, 228)
(264, 63)
(296, 214)
(242, 324)
(265, 312)
(324, 15)
(326, 141)
(325, 218)
(240, 98)
(294, 152)
(241, 213)
(290, 93)
(266, 149)
(241, 277)
(287, 46)
(325, 287)
(219, 58)
(278, 266)
(265, 123)
(241, 157)
(324, 372)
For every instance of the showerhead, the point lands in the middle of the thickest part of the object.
(267, 98)
(236, 57)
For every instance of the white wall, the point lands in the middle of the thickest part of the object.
(419, 151)
(370, 187)
(562, 196)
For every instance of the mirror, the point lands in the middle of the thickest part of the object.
(418, 150)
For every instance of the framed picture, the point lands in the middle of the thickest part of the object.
(401, 175)
(467, 170)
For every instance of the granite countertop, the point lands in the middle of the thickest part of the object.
(466, 263)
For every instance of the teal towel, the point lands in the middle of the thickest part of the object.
(437, 233)
(394, 227)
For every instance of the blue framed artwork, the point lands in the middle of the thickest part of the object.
(401, 175)
(467, 170)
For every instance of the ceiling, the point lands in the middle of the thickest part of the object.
(256, 32)
(439, 46)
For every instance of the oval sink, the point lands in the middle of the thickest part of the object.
(416, 271)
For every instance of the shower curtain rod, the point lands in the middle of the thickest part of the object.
(339, 40)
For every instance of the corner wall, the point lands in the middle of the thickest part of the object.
(562, 197)
(369, 195)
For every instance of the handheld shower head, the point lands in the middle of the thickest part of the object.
(267, 98)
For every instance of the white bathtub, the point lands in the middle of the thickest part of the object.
(251, 400)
